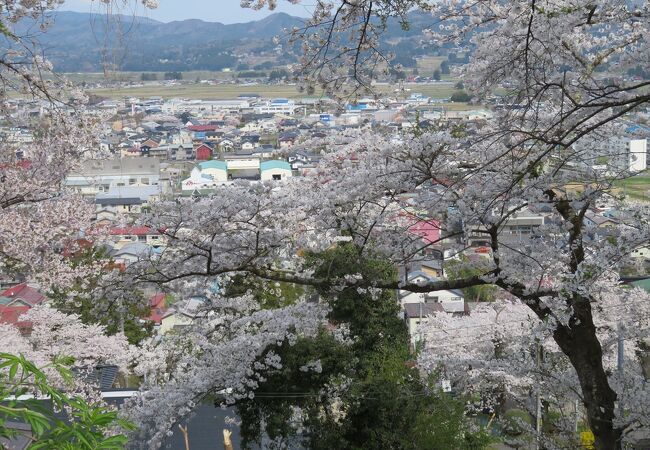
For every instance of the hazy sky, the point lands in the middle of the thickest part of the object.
(226, 11)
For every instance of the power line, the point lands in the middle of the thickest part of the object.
(474, 339)
(446, 331)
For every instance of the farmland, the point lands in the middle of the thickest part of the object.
(637, 187)
(227, 90)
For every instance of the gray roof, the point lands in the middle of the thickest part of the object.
(413, 310)
(21, 440)
(114, 201)
(137, 248)
(141, 192)
(123, 166)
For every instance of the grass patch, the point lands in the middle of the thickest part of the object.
(427, 64)
(637, 187)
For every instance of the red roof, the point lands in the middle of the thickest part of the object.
(158, 308)
(157, 300)
(22, 164)
(138, 231)
(428, 230)
(11, 314)
(76, 247)
(25, 293)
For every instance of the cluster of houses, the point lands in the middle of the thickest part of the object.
(162, 149)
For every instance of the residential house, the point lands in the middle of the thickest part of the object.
(123, 236)
(300, 158)
(226, 145)
(159, 308)
(181, 152)
(519, 226)
(416, 314)
(181, 315)
(124, 201)
(16, 301)
(595, 220)
(130, 253)
(452, 301)
(287, 140)
(21, 295)
(146, 146)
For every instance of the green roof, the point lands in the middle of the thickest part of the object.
(214, 164)
(643, 284)
(275, 164)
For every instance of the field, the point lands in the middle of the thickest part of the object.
(228, 91)
(637, 187)
(98, 77)
(427, 64)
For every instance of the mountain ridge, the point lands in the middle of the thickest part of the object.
(88, 42)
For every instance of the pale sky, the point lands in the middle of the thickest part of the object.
(225, 11)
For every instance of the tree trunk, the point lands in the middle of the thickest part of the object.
(580, 343)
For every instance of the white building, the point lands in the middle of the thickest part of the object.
(276, 106)
(451, 301)
(637, 150)
(275, 170)
(218, 170)
(204, 107)
(100, 175)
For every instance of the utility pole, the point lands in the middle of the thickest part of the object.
(620, 363)
(538, 401)
(227, 442)
(420, 323)
(186, 436)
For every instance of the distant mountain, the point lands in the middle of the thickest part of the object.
(82, 42)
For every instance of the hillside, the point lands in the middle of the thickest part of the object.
(81, 42)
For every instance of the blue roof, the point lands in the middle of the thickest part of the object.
(275, 164)
(214, 164)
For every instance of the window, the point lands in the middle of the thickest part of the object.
(428, 298)
(144, 180)
(277, 177)
(142, 238)
(132, 181)
(456, 299)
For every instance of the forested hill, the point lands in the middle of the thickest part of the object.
(81, 42)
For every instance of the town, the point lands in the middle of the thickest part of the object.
(320, 265)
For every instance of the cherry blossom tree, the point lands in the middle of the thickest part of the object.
(473, 177)
(54, 335)
(560, 63)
